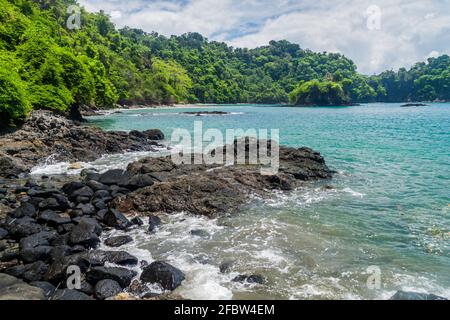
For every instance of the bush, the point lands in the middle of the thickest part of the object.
(14, 105)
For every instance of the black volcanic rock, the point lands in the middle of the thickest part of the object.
(114, 219)
(123, 276)
(105, 289)
(162, 273)
(118, 241)
(47, 133)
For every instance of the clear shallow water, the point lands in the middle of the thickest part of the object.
(390, 207)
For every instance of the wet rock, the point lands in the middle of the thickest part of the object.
(53, 219)
(153, 223)
(57, 271)
(70, 295)
(71, 187)
(100, 215)
(100, 205)
(30, 272)
(102, 194)
(34, 254)
(45, 133)
(83, 193)
(39, 239)
(226, 267)
(137, 221)
(86, 288)
(96, 186)
(37, 247)
(140, 181)
(154, 134)
(115, 177)
(82, 200)
(200, 233)
(65, 228)
(212, 190)
(48, 289)
(115, 219)
(85, 234)
(121, 258)
(105, 289)
(403, 295)
(12, 288)
(21, 228)
(258, 279)
(118, 241)
(25, 210)
(89, 175)
(49, 203)
(86, 209)
(99, 258)
(60, 252)
(3, 233)
(163, 274)
(120, 275)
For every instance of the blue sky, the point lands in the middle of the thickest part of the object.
(400, 32)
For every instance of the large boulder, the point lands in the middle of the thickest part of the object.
(12, 288)
(122, 276)
(53, 219)
(26, 209)
(164, 274)
(37, 247)
(115, 177)
(116, 219)
(31, 272)
(21, 228)
(86, 233)
(118, 241)
(105, 289)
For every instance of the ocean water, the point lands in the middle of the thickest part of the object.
(389, 209)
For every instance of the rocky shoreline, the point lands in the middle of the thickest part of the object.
(50, 226)
(47, 227)
(46, 135)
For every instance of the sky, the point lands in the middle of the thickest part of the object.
(377, 35)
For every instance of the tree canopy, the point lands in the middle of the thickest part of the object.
(45, 65)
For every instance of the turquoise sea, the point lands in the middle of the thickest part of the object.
(389, 209)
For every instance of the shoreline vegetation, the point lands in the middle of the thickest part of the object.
(44, 65)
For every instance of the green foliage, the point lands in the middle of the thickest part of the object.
(321, 93)
(47, 66)
(14, 104)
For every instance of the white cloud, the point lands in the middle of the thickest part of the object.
(410, 29)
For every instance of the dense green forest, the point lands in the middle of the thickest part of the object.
(44, 64)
